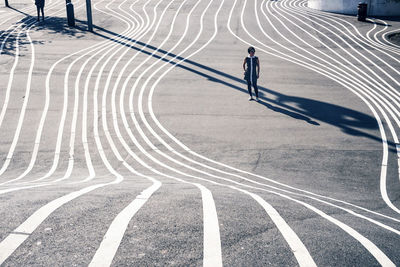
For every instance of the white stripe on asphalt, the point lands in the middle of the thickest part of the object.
(212, 251)
(135, 123)
(212, 240)
(13, 241)
(113, 237)
(293, 242)
(383, 186)
(42, 119)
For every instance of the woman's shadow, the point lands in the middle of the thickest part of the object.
(348, 120)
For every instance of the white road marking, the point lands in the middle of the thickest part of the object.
(13, 241)
(371, 247)
(24, 105)
(43, 117)
(139, 103)
(107, 250)
(353, 69)
(27, 91)
(304, 191)
(212, 250)
(395, 48)
(248, 173)
(113, 237)
(384, 163)
(212, 240)
(28, 9)
(383, 186)
(303, 254)
(383, 177)
(11, 76)
(24, 233)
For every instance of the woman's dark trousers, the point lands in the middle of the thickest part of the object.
(255, 88)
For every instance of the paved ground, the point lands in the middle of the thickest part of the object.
(135, 145)
(395, 38)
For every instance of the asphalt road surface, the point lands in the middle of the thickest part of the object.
(136, 145)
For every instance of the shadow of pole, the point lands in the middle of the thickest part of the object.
(349, 121)
(308, 110)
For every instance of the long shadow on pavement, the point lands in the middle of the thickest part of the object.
(53, 25)
(349, 121)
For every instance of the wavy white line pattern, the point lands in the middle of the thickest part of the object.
(95, 133)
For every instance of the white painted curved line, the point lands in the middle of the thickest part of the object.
(371, 247)
(384, 36)
(212, 254)
(384, 161)
(375, 43)
(296, 245)
(21, 233)
(384, 168)
(296, 13)
(212, 250)
(361, 242)
(104, 45)
(367, 244)
(229, 167)
(109, 246)
(38, 135)
(27, 27)
(289, 239)
(380, 256)
(276, 53)
(23, 108)
(28, 9)
(14, 27)
(10, 80)
(337, 64)
(132, 32)
(14, 240)
(84, 116)
(84, 120)
(113, 237)
(353, 45)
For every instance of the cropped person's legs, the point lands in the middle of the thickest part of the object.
(255, 88)
(42, 9)
(38, 13)
(249, 88)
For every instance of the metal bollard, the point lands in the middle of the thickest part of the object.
(362, 11)
(70, 14)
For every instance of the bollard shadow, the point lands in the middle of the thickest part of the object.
(371, 21)
(51, 25)
(310, 111)
(388, 18)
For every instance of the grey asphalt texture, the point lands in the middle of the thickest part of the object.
(306, 131)
(395, 38)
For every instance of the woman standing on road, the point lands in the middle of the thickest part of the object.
(40, 7)
(251, 71)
